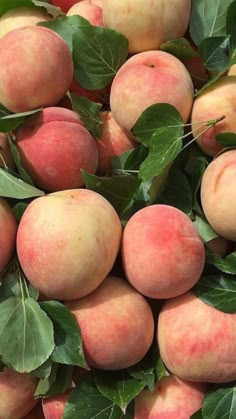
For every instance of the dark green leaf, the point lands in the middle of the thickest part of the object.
(26, 334)
(86, 402)
(57, 383)
(227, 139)
(118, 190)
(145, 369)
(44, 371)
(197, 415)
(130, 160)
(4, 111)
(215, 53)
(226, 265)
(180, 48)
(98, 53)
(16, 155)
(208, 19)
(89, 113)
(13, 187)
(218, 291)
(204, 229)
(230, 27)
(220, 404)
(118, 386)
(19, 210)
(161, 115)
(10, 287)
(12, 121)
(46, 383)
(68, 341)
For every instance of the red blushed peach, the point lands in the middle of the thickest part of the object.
(172, 398)
(116, 323)
(8, 228)
(21, 17)
(67, 242)
(163, 255)
(88, 10)
(218, 194)
(36, 412)
(54, 147)
(53, 407)
(112, 143)
(146, 79)
(196, 341)
(17, 391)
(216, 101)
(6, 157)
(147, 24)
(65, 5)
(25, 86)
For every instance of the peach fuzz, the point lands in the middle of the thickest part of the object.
(112, 143)
(172, 256)
(88, 10)
(67, 242)
(216, 101)
(148, 78)
(53, 407)
(218, 194)
(8, 228)
(116, 323)
(6, 157)
(21, 17)
(17, 391)
(147, 24)
(172, 398)
(54, 147)
(196, 341)
(25, 86)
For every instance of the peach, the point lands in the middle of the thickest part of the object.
(112, 143)
(67, 242)
(21, 17)
(172, 398)
(116, 323)
(54, 147)
(148, 78)
(147, 24)
(163, 255)
(219, 245)
(36, 412)
(6, 157)
(25, 86)
(88, 10)
(65, 5)
(8, 228)
(99, 96)
(17, 394)
(232, 70)
(196, 341)
(218, 194)
(53, 407)
(214, 102)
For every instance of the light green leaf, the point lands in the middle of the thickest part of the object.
(16, 155)
(180, 48)
(220, 404)
(215, 53)
(12, 121)
(89, 113)
(13, 187)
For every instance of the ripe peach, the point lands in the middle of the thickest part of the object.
(22, 17)
(8, 227)
(53, 407)
(196, 341)
(6, 156)
(113, 142)
(25, 86)
(17, 391)
(147, 24)
(172, 398)
(148, 78)
(232, 70)
(88, 10)
(216, 101)
(67, 242)
(112, 314)
(65, 5)
(218, 194)
(54, 147)
(172, 256)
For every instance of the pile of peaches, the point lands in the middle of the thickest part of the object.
(128, 285)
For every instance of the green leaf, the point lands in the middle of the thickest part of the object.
(130, 160)
(161, 115)
(12, 121)
(66, 27)
(9, 287)
(13, 187)
(6, 5)
(68, 341)
(26, 334)
(118, 190)
(209, 83)
(215, 53)
(227, 139)
(218, 291)
(165, 145)
(208, 20)
(89, 113)
(44, 371)
(161, 371)
(226, 265)
(230, 27)
(57, 383)
(197, 415)
(51, 10)
(98, 53)
(19, 210)
(180, 48)
(86, 402)
(46, 383)
(145, 369)
(16, 155)
(118, 386)
(204, 229)
(220, 404)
